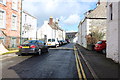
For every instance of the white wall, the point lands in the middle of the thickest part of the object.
(112, 33)
(45, 29)
(29, 20)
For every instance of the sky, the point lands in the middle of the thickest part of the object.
(69, 12)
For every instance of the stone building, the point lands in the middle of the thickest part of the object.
(94, 21)
(72, 36)
(113, 27)
(10, 12)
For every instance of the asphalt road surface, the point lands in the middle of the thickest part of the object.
(58, 63)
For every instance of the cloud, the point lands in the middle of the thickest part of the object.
(65, 10)
(72, 19)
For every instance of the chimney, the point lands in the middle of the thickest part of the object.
(51, 20)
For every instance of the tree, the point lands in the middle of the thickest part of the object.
(94, 37)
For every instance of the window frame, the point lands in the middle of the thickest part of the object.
(4, 19)
(16, 22)
(13, 7)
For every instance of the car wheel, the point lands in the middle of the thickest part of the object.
(104, 51)
(55, 46)
(47, 50)
(39, 52)
(20, 54)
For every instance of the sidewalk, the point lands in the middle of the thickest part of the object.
(102, 66)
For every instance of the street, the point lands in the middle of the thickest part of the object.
(58, 63)
(69, 61)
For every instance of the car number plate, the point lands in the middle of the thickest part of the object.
(26, 47)
(49, 44)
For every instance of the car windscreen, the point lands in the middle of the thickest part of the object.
(51, 40)
(30, 41)
(99, 42)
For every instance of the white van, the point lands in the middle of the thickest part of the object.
(52, 42)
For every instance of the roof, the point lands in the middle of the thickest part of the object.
(29, 14)
(98, 12)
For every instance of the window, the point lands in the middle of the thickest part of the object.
(3, 2)
(14, 22)
(15, 4)
(2, 19)
(2, 39)
(13, 42)
(111, 12)
(30, 41)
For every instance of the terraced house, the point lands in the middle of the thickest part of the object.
(94, 22)
(10, 12)
(113, 27)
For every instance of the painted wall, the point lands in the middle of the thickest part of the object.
(112, 32)
(29, 25)
(83, 31)
(45, 29)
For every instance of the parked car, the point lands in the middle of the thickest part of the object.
(101, 46)
(63, 42)
(60, 43)
(68, 41)
(52, 43)
(33, 47)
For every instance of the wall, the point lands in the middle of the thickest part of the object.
(119, 31)
(45, 29)
(99, 25)
(112, 33)
(7, 30)
(29, 22)
(83, 31)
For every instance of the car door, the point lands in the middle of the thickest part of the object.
(40, 44)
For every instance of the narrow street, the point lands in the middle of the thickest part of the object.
(69, 61)
(58, 63)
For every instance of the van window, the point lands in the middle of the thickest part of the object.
(49, 40)
(53, 40)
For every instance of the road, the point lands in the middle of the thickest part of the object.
(58, 63)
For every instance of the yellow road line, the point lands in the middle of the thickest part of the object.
(79, 66)
(83, 73)
(78, 69)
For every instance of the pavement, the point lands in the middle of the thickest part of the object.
(99, 66)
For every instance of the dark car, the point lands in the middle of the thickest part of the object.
(101, 46)
(60, 43)
(68, 41)
(33, 47)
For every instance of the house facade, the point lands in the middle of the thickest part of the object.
(10, 12)
(94, 22)
(72, 36)
(29, 25)
(50, 29)
(113, 27)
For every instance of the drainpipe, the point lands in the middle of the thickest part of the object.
(21, 24)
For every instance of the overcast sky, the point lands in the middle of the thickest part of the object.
(69, 12)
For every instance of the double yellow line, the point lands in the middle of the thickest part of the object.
(81, 73)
